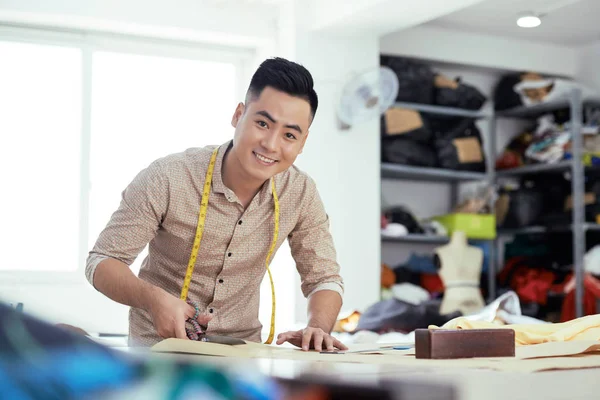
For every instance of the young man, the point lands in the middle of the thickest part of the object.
(255, 198)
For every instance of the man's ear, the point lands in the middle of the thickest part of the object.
(237, 115)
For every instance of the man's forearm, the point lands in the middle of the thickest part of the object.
(323, 309)
(115, 280)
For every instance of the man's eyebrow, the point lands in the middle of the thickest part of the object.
(270, 118)
(267, 116)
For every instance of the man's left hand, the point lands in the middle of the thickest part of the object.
(311, 338)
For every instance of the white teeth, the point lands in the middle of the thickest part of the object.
(265, 159)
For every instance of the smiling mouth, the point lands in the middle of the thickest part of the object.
(264, 160)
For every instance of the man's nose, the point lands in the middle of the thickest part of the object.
(269, 141)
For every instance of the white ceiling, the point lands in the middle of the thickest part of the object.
(575, 23)
(364, 18)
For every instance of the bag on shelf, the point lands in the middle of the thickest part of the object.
(405, 123)
(402, 215)
(408, 152)
(504, 95)
(454, 93)
(458, 144)
(524, 208)
(415, 79)
(531, 88)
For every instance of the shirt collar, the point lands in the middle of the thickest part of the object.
(218, 186)
(217, 180)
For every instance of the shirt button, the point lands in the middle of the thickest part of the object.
(221, 281)
(210, 311)
(240, 222)
(229, 254)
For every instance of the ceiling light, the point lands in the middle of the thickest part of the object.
(528, 20)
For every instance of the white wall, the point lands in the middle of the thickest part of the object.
(589, 65)
(345, 164)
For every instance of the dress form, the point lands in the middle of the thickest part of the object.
(460, 270)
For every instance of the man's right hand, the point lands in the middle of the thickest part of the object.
(169, 314)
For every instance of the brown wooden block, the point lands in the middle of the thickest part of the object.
(464, 343)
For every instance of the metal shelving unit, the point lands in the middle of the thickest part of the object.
(398, 171)
(451, 177)
(416, 238)
(587, 227)
(439, 110)
(574, 166)
(561, 166)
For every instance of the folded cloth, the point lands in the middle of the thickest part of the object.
(584, 328)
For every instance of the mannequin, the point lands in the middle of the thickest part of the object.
(460, 269)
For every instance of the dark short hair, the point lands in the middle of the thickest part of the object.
(286, 76)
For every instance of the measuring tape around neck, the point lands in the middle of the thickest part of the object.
(200, 231)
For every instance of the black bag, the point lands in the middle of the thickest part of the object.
(402, 215)
(415, 79)
(525, 208)
(464, 96)
(399, 150)
(505, 96)
(396, 315)
(458, 144)
(405, 124)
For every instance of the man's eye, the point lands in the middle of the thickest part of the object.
(290, 136)
(262, 124)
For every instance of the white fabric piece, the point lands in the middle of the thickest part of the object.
(364, 337)
(560, 91)
(410, 293)
(394, 230)
(591, 261)
(508, 302)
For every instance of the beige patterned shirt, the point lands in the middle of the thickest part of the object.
(160, 207)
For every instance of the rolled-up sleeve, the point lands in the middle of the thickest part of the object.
(312, 246)
(132, 226)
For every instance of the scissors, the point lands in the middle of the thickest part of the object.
(198, 332)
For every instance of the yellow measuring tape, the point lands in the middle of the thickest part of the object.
(200, 231)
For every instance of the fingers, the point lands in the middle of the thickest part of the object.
(284, 337)
(204, 319)
(317, 338)
(320, 340)
(328, 342)
(190, 311)
(339, 344)
(180, 331)
(306, 336)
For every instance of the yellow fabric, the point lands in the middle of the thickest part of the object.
(584, 328)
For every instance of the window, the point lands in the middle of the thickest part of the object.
(145, 107)
(82, 114)
(40, 125)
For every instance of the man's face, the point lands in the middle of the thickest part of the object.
(270, 132)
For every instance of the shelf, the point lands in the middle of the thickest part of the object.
(539, 109)
(419, 238)
(416, 238)
(535, 169)
(560, 166)
(543, 229)
(439, 110)
(400, 171)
